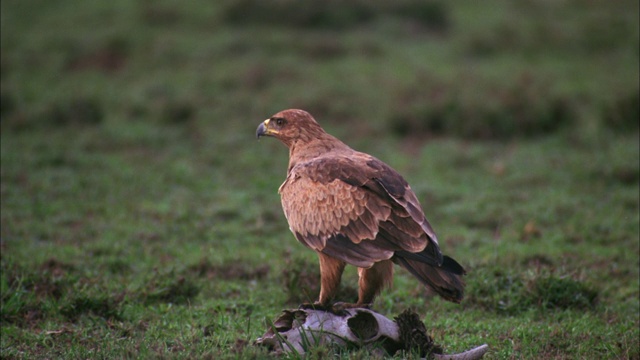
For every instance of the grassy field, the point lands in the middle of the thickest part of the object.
(140, 218)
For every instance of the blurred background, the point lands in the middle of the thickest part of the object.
(140, 217)
(409, 69)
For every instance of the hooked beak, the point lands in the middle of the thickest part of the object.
(263, 130)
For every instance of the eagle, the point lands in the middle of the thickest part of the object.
(351, 208)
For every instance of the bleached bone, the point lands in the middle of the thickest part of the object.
(298, 330)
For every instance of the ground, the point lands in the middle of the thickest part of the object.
(140, 218)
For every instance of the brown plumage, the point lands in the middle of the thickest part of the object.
(352, 208)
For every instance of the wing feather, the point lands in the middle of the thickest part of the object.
(364, 254)
(355, 208)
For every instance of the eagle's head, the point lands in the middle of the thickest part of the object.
(291, 127)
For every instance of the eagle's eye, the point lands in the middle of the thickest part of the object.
(279, 121)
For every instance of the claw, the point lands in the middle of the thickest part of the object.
(314, 306)
(343, 305)
(338, 309)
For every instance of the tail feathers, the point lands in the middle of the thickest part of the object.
(446, 262)
(452, 266)
(445, 280)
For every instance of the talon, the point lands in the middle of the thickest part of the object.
(314, 306)
(340, 308)
(340, 305)
(344, 305)
(339, 312)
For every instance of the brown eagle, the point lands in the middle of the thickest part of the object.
(352, 208)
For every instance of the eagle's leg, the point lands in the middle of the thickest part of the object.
(372, 281)
(330, 274)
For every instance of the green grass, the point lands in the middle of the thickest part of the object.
(140, 218)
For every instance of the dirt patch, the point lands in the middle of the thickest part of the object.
(76, 111)
(239, 345)
(230, 270)
(30, 291)
(48, 281)
(56, 267)
(178, 290)
(622, 114)
(537, 261)
(622, 175)
(110, 57)
(419, 16)
(100, 305)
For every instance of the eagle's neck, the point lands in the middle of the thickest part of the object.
(300, 152)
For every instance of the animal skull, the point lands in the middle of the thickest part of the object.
(297, 330)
